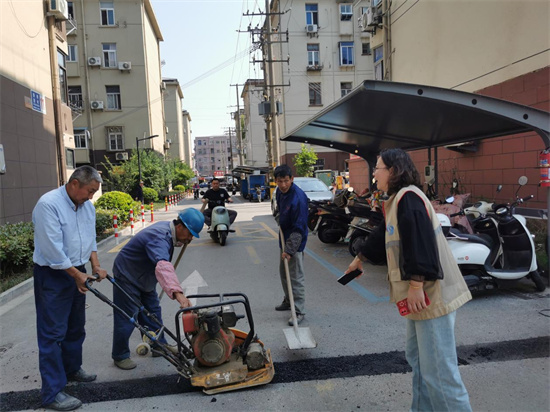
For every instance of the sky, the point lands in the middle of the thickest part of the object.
(201, 36)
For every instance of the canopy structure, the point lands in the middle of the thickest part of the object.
(379, 115)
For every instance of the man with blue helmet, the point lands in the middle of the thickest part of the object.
(143, 262)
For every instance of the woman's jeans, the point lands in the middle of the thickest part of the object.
(431, 352)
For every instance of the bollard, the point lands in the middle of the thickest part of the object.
(165, 203)
(152, 219)
(131, 222)
(142, 216)
(115, 225)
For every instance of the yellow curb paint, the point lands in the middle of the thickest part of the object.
(118, 247)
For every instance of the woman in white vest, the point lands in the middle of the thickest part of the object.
(419, 262)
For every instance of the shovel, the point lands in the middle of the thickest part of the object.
(296, 338)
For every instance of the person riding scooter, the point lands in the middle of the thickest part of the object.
(196, 189)
(217, 197)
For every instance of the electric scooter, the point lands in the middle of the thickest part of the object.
(219, 227)
(503, 249)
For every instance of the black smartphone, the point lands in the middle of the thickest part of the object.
(348, 277)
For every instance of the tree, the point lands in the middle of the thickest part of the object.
(304, 161)
(182, 173)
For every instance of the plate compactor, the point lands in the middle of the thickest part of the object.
(211, 353)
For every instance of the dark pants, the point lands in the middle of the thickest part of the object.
(60, 319)
(123, 328)
(208, 216)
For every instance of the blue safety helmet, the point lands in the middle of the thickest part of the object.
(193, 220)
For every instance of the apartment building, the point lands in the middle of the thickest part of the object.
(254, 144)
(36, 133)
(114, 80)
(499, 50)
(215, 155)
(187, 138)
(177, 142)
(327, 55)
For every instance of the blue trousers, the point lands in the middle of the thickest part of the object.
(123, 328)
(431, 352)
(60, 319)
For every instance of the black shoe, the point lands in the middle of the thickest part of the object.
(81, 376)
(64, 402)
(283, 306)
(299, 319)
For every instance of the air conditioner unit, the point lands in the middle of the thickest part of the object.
(125, 66)
(121, 156)
(96, 105)
(166, 145)
(94, 61)
(167, 130)
(311, 28)
(58, 9)
(162, 86)
(169, 141)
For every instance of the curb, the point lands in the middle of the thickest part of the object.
(16, 291)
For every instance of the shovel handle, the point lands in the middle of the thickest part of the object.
(289, 285)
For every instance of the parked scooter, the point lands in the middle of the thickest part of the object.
(333, 221)
(367, 215)
(503, 249)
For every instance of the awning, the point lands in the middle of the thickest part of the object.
(379, 115)
(249, 170)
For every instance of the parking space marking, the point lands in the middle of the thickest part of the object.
(269, 230)
(252, 252)
(368, 295)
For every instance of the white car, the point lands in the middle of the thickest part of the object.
(315, 189)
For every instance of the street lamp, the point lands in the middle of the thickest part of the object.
(137, 149)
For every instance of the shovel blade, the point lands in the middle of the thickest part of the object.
(299, 338)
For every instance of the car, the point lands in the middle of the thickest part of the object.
(315, 189)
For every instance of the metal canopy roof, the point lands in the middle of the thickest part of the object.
(379, 115)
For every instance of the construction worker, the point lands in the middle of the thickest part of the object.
(137, 268)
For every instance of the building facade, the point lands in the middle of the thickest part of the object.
(172, 97)
(255, 143)
(215, 155)
(114, 77)
(484, 49)
(326, 56)
(36, 134)
(187, 138)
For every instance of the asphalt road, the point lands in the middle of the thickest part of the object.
(502, 337)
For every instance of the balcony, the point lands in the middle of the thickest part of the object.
(71, 26)
(314, 68)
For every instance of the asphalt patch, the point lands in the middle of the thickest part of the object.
(285, 372)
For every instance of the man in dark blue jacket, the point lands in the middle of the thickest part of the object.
(292, 203)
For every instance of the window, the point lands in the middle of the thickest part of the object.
(107, 10)
(365, 49)
(319, 164)
(73, 53)
(346, 12)
(70, 9)
(211, 150)
(213, 167)
(199, 142)
(113, 97)
(62, 75)
(315, 94)
(114, 135)
(345, 88)
(69, 159)
(80, 139)
(346, 53)
(109, 55)
(75, 96)
(376, 3)
(312, 14)
(313, 55)
(378, 63)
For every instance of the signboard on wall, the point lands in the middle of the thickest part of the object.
(38, 102)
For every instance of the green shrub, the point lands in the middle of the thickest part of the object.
(150, 195)
(119, 203)
(179, 188)
(16, 247)
(103, 220)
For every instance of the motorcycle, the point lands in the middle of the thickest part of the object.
(220, 225)
(195, 193)
(366, 216)
(333, 219)
(503, 248)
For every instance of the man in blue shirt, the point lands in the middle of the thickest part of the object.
(292, 203)
(64, 241)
